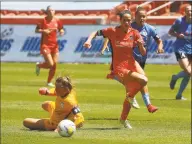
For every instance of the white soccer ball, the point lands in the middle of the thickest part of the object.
(66, 128)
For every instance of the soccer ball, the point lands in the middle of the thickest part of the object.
(66, 128)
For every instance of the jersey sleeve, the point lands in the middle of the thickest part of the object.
(154, 34)
(108, 32)
(176, 25)
(40, 24)
(60, 25)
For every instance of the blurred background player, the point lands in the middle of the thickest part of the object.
(48, 27)
(147, 32)
(124, 68)
(64, 107)
(182, 30)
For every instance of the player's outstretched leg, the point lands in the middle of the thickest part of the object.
(146, 98)
(182, 87)
(37, 69)
(174, 79)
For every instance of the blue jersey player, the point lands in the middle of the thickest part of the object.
(182, 30)
(147, 32)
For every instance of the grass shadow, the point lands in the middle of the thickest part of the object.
(110, 128)
(163, 99)
(102, 119)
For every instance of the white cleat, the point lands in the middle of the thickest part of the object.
(50, 84)
(37, 69)
(135, 104)
(126, 124)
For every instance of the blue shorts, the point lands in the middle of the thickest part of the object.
(181, 55)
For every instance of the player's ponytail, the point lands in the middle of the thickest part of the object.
(45, 10)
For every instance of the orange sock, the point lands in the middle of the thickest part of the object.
(43, 65)
(126, 110)
(51, 73)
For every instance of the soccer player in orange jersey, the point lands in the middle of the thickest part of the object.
(64, 107)
(124, 67)
(147, 32)
(49, 48)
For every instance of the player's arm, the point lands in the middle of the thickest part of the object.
(76, 116)
(157, 40)
(39, 29)
(60, 28)
(104, 32)
(173, 31)
(87, 44)
(159, 44)
(47, 92)
(106, 40)
(141, 47)
(140, 43)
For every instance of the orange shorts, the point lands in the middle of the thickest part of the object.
(122, 70)
(49, 49)
(120, 74)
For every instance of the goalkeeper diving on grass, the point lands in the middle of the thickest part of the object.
(64, 107)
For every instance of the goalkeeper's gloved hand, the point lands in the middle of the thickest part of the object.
(43, 91)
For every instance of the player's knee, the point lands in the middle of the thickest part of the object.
(189, 71)
(144, 80)
(45, 105)
(25, 122)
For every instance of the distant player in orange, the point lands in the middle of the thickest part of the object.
(49, 27)
(64, 107)
(124, 67)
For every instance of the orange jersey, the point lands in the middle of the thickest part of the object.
(50, 40)
(122, 46)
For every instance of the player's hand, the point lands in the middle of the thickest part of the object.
(61, 32)
(87, 44)
(43, 91)
(47, 31)
(56, 130)
(160, 50)
(181, 36)
(139, 42)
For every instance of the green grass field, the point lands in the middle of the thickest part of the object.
(101, 103)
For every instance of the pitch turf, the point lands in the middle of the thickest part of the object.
(101, 103)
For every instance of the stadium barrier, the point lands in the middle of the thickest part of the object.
(67, 20)
(20, 43)
(76, 20)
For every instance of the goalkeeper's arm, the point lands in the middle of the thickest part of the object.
(76, 116)
(46, 91)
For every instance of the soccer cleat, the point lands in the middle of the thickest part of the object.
(132, 102)
(37, 70)
(135, 104)
(152, 108)
(50, 84)
(126, 124)
(172, 82)
(180, 98)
